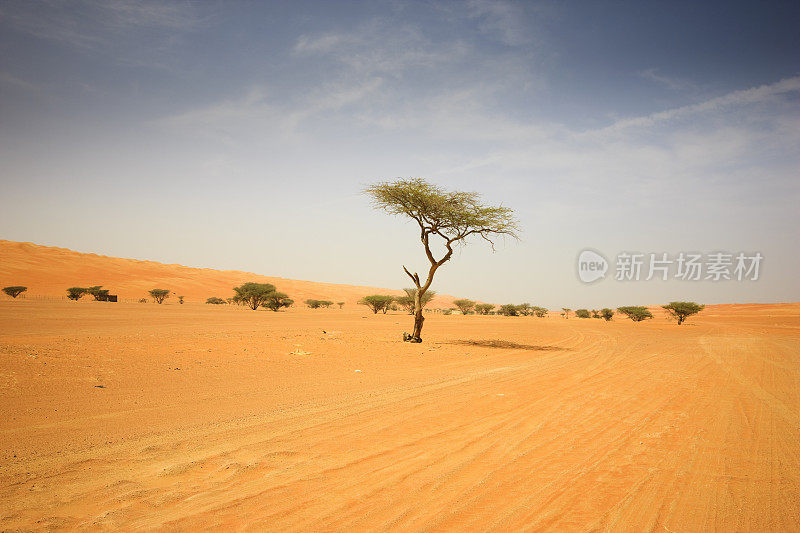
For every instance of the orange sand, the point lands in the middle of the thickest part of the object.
(221, 417)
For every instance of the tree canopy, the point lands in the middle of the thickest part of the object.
(158, 294)
(681, 310)
(276, 300)
(636, 313)
(253, 294)
(377, 302)
(15, 290)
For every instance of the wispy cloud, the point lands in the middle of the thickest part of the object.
(502, 20)
(735, 98)
(653, 74)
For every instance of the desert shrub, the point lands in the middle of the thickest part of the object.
(313, 304)
(180, 299)
(253, 294)
(159, 295)
(216, 301)
(340, 304)
(508, 310)
(483, 309)
(276, 300)
(595, 313)
(407, 301)
(681, 310)
(566, 311)
(636, 313)
(76, 293)
(582, 313)
(448, 311)
(539, 311)
(606, 314)
(325, 303)
(464, 305)
(15, 290)
(377, 302)
(142, 300)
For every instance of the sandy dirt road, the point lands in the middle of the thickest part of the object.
(139, 416)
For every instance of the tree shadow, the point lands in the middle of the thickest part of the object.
(505, 345)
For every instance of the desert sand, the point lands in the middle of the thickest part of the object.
(140, 416)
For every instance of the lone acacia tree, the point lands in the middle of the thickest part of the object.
(450, 217)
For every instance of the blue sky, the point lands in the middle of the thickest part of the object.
(239, 134)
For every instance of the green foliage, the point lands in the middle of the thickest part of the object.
(464, 305)
(98, 293)
(159, 295)
(144, 300)
(606, 314)
(15, 290)
(253, 294)
(276, 300)
(582, 313)
(566, 311)
(340, 304)
(448, 311)
(216, 301)
(540, 312)
(524, 309)
(681, 310)
(407, 301)
(483, 309)
(636, 313)
(595, 313)
(377, 302)
(508, 310)
(76, 293)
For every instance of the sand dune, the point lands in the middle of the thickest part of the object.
(192, 417)
(49, 271)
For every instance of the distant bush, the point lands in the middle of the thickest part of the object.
(582, 313)
(539, 311)
(464, 305)
(340, 304)
(595, 313)
(606, 314)
(681, 310)
(159, 295)
(180, 299)
(508, 310)
(447, 311)
(253, 294)
(635, 313)
(566, 311)
(216, 301)
(483, 309)
(407, 301)
(14, 291)
(276, 300)
(142, 300)
(377, 302)
(76, 293)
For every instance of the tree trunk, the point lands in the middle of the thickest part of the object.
(416, 336)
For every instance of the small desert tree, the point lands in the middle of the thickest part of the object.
(525, 309)
(583, 313)
(636, 313)
(595, 313)
(606, 314)
(540, 312)
(159, 295)
(566, 310)
(313, 304)
(508, 310)
(408, 301)
(14, 291)
(254, 294)
(216, 301)
(377, 302)
(464, 305)
(483, 309)
(276, 300)
(340, 304)
(75, 293)
(180, 299)
(451, 217)
(98, 293)
(681, 310)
